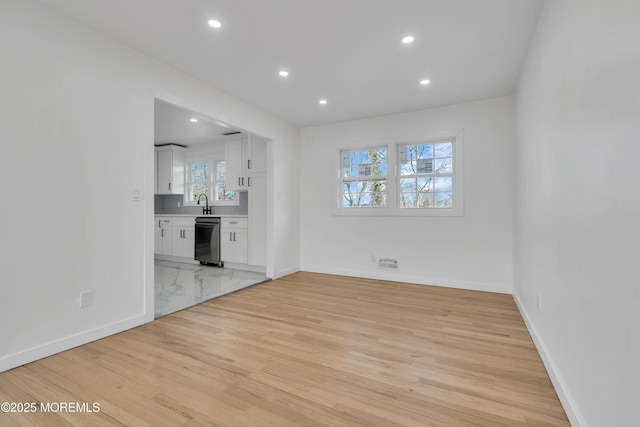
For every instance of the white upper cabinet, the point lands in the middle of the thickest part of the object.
(234, 162)
(243, 158)
(256, 155)
(170, 169)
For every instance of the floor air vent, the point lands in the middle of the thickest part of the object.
(387, 263)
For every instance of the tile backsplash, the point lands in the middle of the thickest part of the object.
(168, 204)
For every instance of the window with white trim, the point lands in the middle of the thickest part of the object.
(364, 178)
(411, 177)
(207, 176)
(426, 175)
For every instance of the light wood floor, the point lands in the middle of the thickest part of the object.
(306, 350)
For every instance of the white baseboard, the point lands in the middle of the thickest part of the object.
(244, 267)
(286, 271)
(419, 280)
(30, 355)
(176, 259)
(558, 384)
(231, 265)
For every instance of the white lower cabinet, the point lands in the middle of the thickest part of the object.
(233, 240)
(162, 243)
(175, 236)
(183, 237)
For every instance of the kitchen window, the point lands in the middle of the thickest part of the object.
(410, 177)
(207, 176)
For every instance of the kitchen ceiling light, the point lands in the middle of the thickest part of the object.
(194, 120)
(283, 73)
(408, 39)
(425, 82)
(322, 102)
(214, 23)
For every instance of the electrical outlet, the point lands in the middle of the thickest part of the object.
(86, 298)
(539, 301)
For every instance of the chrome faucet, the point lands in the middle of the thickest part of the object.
(205, 210)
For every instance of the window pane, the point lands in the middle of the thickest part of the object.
(408, 185)
(444, 149)
(199, 172)
(425, 200)
(197, 192)
(407, 200)
(408, 168)
(364, 163)
(364, 193)
(220, 172)
(425, 184)
(424, 151)
(443, 183)
(442, 166)
(443, 200)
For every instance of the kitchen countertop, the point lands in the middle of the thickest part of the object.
(212, 215)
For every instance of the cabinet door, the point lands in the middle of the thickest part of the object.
(157, 236)
(177, 170)
(170, 170)
(183, 242)
(233, 245)
(164, 171)
(240, 243)
(166, 237)
(155, 188)
(227, 248)
(256, 155)
(234, 165)
(257, 233)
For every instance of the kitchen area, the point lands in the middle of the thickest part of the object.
(209, 209)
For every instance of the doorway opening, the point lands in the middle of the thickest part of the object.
(205, 168)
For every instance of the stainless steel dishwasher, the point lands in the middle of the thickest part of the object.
(207, 249)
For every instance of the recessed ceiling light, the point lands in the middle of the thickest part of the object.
(408, 39)
(214, 23)
(322, 101)
(284, 73)
(194, 120)
(425, 82)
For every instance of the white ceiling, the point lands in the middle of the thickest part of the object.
(172, 124)
(347, 51)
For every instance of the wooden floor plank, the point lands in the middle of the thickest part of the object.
(306, 350)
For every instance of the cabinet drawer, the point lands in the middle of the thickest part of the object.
(162, 222)
(184, 222)
(233, 222)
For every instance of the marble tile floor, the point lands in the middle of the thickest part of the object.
(181, 285)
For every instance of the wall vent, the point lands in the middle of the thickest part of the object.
(387, 264)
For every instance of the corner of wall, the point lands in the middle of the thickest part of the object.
(566, 400)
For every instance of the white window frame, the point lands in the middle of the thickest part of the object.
(363, 178)
(211, 183)
(393, 177)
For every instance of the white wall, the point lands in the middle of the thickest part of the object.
(577, 233)
(77, 136)
(473, 251)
